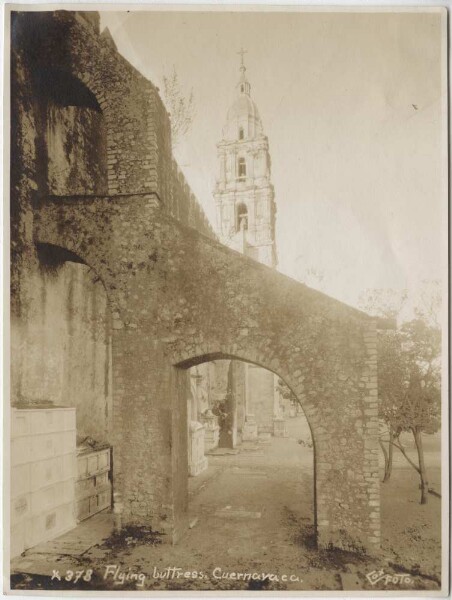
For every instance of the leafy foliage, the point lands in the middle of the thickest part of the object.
(409, 372)
(409, 377)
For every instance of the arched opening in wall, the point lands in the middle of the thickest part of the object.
(250, 457)
(73, 141)
(242, 217)
(71, 334)
(68, 363)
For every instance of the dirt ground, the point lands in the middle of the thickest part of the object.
(252, 528)
(411, 532)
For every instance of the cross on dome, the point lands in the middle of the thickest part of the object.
(242, 52)
(243, 85)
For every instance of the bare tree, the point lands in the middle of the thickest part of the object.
(428, 308)
(383, 302)
(180, 105)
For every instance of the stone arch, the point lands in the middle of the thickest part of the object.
(53, 255)
(73, 134)
(131, 105)
(241, 216)
(78, 242)
(93, 82)
(138, 134)
(67, 335)
(254, 351)
(255, 358)
(64, 88)
(323, 350)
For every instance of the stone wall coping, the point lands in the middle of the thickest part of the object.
(85, 198)
(191, 197)
(355, 312)
(75, 17)
(348, 311)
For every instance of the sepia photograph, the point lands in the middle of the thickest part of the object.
(226, 274)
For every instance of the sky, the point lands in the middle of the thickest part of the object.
(352, 104)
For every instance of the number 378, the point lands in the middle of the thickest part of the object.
(74, 576)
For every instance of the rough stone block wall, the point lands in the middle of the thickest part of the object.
(60, 318)
(138, 132)
(83, 121)
(164, 318)
(76, 150)
(136, 122)
(154, 270)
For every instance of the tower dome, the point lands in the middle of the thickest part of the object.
(243, 120)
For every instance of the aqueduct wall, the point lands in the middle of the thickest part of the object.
(177, 297)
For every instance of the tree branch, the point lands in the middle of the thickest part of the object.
(403, 451)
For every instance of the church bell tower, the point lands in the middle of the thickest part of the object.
(246, 215)
(244, 194)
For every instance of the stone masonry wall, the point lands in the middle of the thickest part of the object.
(75, 143)
(154, 270)
(63, 47)
(165, 318)
(184, 205)
(83, 121)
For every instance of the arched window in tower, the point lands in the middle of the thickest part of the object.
(242, 168)
(241, 133)
(242, 217)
